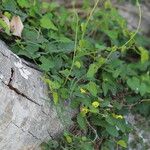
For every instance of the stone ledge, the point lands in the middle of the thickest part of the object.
(26, 118)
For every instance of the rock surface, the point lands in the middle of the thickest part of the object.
(27, 117)
(131, 14)
(139, 138)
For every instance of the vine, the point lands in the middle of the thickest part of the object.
(93, 64)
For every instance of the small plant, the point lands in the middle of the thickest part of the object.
(90, 59)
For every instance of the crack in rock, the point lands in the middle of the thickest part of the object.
(41, 121)
(4, 54)
(10, 86)
(22, 94)
(17, 91)
(11, 76)
(29, 132)
(33, 135)
(50, 135)
(44, 112)
(7, 125)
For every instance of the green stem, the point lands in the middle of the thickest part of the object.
(76, 36)
(132, 37)
(75, 47)
(138, 27)
(91, 13)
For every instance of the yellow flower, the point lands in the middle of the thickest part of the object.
(117, 116)
(84, 110)
(95, 104)
(82, 90)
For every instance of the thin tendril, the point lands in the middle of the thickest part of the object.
(75, 47)
(91, 13)
(138, 27)
(137, 30)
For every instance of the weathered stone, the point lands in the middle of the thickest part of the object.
(131, 14)
(139, 138)
(27, 116)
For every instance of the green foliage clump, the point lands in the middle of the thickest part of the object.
(91, 60)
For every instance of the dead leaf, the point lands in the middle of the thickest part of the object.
(16, 26)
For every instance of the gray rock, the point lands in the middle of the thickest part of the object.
(131, 14)
(139, 138)
(27, 116)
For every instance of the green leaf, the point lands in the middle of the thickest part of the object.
(112, 131)
(7, 14)
(121, 125)
(68, 138)
(65, 47)
(107, 4)
(65, 72)
(100, 47)
(4, 26)
(86, 146)
(83, 27)
(81, 121)
(32, 48)
(134, 84)
(111, 120)
(100, 61)
(112, 34)
(144, 109)
(94, 110)
(117, 105)
(59, 37)
(143, 89)
(105, 103)
(47, 64)
(53, 85)
(29, 51)
(55, 97)
(144, 54)
(23, 3)
(60, 47)
(105, 88)
(35, 38)
(46, 23)
(44, 146)
(92, 70)
(122, 143)
(64, 93)
(63, 39)
(77, 64)
(92, 88)
(45, 5)
(54, 5)
(9, 5)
